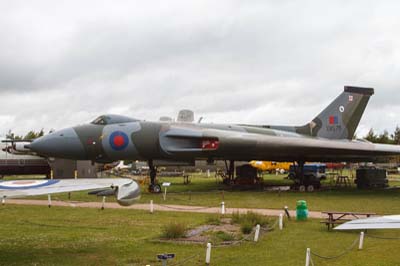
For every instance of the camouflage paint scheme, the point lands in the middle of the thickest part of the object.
(328, 137)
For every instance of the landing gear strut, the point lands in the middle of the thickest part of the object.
(153, 187)
(230, 172)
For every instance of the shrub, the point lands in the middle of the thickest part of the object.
(236, 218)
(213, 220)
(255, 218)
(174, 230)
(249, 218)
(246, 228)
(225, 236)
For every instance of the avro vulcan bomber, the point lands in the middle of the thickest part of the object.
(326, 138)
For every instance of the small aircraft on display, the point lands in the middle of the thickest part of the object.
(326, 138)
(125, 190)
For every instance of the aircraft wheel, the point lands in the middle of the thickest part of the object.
(156, 189)
(310, 188)
(302, 188)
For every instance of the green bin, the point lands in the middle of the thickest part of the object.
(301, 210)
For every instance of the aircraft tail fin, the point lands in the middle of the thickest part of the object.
(341, 118)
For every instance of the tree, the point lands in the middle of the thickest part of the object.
(384, 138)
(11, 135)
(34, 135)
(29, 136)
(396, 136)
(371, 136)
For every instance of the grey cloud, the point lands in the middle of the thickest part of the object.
(259, 61)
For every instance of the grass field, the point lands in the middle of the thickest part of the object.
(35, 235)
(32, 235)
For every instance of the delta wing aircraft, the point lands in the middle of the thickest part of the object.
(328, 137)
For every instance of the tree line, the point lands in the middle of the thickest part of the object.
(29, 136)
(385, 137)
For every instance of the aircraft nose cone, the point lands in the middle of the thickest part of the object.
(61, 144)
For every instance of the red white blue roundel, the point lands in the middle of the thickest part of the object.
(119, 140)
(26, 184)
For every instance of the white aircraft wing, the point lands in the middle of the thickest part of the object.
(126, 190)
(382, 222)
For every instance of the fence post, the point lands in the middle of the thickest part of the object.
(361, 242)
(151, 206)
(308, 254)
(222, 208)
(103, 203)
(165, 193)
(49, 200)
(280, 221)
(208, 254)
(257, 234)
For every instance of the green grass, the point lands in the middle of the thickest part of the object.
(35, 235)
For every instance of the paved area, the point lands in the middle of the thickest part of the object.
(158, 207)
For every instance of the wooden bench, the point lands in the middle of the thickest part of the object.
(335, 217)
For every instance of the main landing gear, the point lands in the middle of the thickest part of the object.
(230, 172)
(153, 187)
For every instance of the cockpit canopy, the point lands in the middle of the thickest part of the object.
(112, 119)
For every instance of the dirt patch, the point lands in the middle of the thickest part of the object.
(223, 233)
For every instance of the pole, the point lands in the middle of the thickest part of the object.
(222, 208)
(361, 242)
(287, 212)
(51, 174)
(257, 234)
(280, 221)
(165, 193)
(208, 254)
(49, 200)
(103, 203)
(75, 174)
(151, 207)
(308, 254)
(3, 200)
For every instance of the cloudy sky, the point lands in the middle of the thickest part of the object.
(271, 62)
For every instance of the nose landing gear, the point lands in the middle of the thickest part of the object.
(153, 187)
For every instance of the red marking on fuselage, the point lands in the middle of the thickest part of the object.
(119, 141)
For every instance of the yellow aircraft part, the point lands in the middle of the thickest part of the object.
(270, 166)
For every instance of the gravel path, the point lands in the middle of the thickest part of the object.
(159, 207)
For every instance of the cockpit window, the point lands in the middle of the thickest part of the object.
(113, 119)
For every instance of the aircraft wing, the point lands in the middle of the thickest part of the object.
(126, 190)
(241, 145)
(383, 222)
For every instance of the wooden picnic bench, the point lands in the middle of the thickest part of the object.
(335, 217)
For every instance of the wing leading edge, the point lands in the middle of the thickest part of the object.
(383, 222)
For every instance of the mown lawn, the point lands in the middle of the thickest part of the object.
(35, 235)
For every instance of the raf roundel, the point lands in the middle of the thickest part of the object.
(119, 140)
